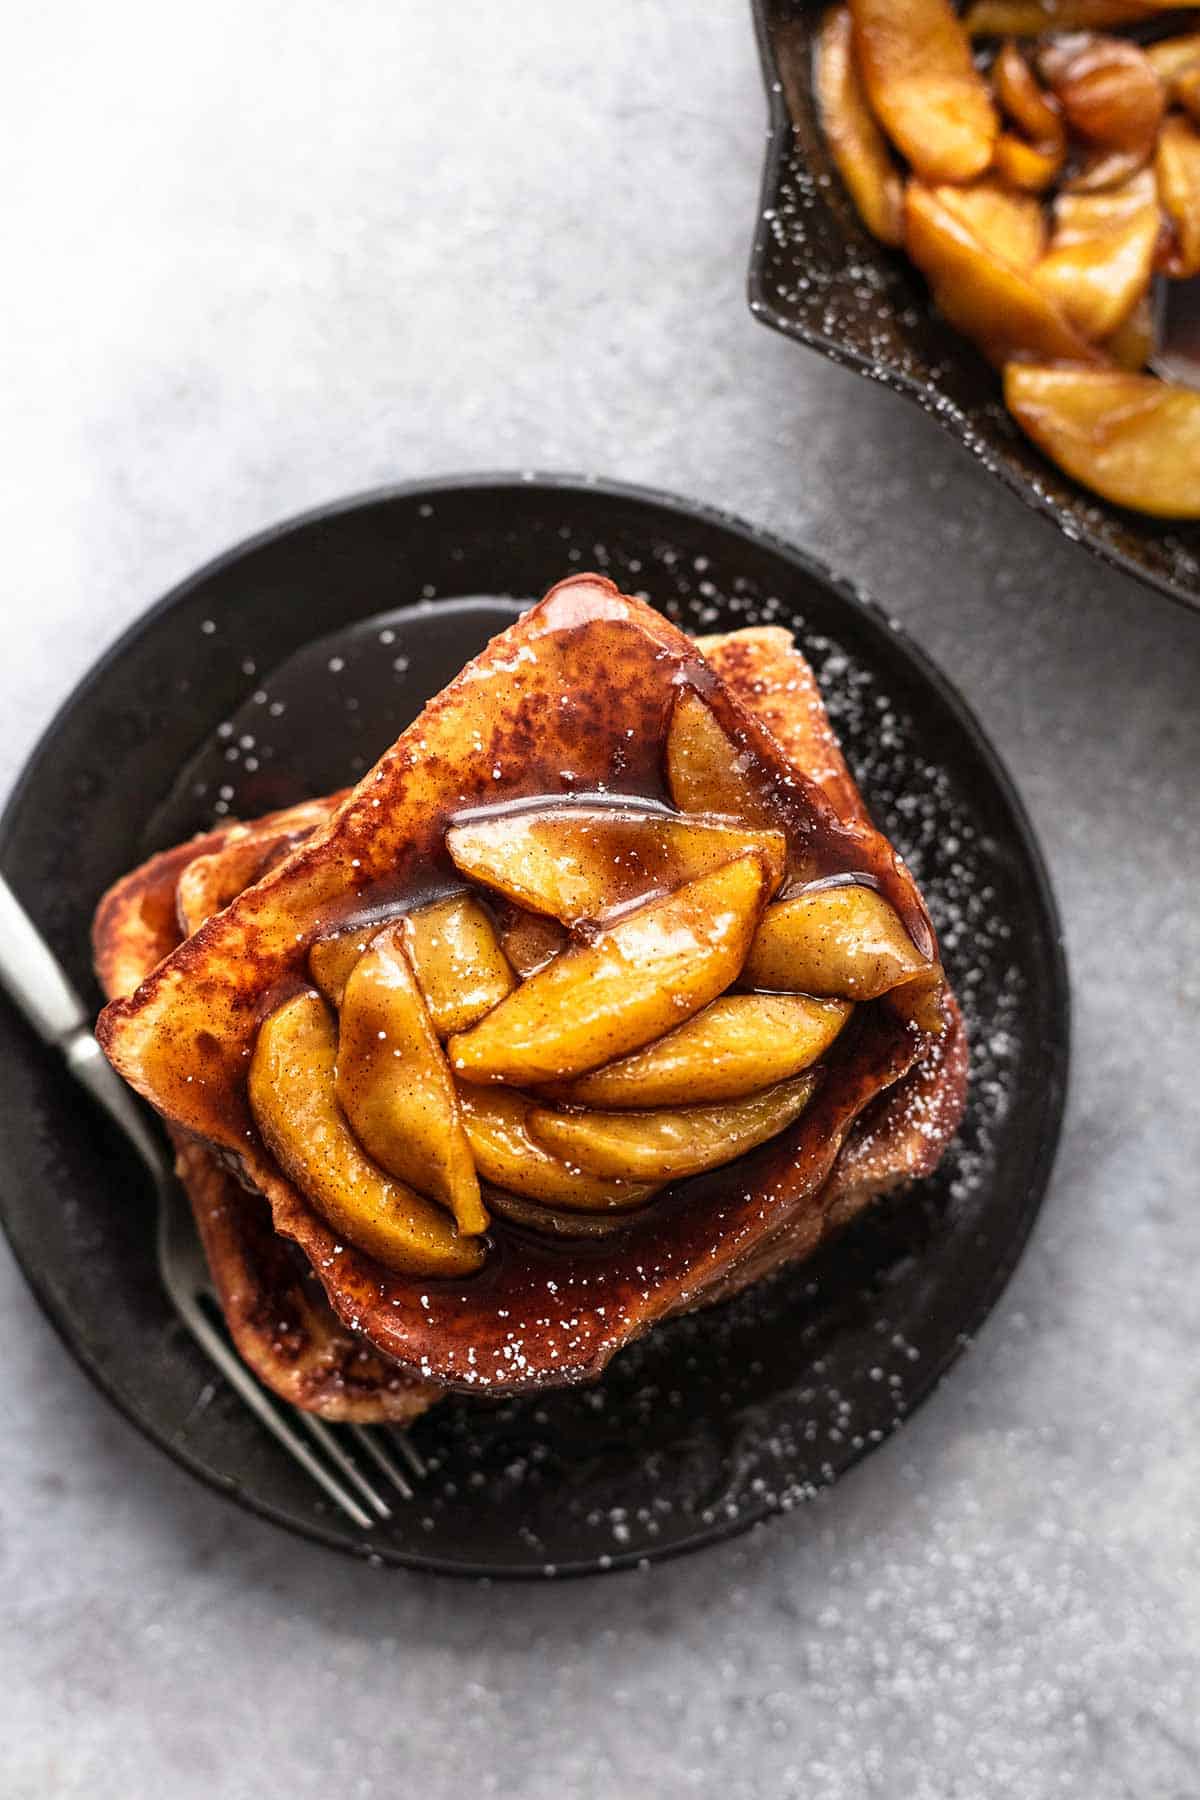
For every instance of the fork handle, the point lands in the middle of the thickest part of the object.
(31, 973)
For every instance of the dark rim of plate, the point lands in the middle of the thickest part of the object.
(951, 382)
(1055, 1048)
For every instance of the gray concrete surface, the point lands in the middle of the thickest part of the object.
(261, 256)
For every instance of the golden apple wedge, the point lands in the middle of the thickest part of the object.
(1101, 255)
(737, 1046)
(637, 979)
(998, 306)
(509, 1158)
(394, 1084)
(294, 1102)
(331, 961)
(458, 962)
(1177, 168)
(555, 1221)
(582, 862)
(670, 1145)
(704, 771)
(926, 92)
(1110, 93)
(842, 942)
(1133, 439)
(859, 148)
(1036, 115)
(1006, 223)
(1027, 168)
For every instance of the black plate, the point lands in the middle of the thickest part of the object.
(711, 1422)
(817, 275)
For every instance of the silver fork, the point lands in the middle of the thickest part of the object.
(34, 979)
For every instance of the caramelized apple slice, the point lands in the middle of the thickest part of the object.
(670, 1145)
(455, 953)
(530, 941)
(1108, 90)
(737, 1046)
(1130, 438)
(1176, 62)
(1009, 225)
(859, 148)
(457, 960)
(295, 1107)
(1000, 307)
(637, 979)
(1030, 18)
(926, 92)
(1177, 167)
(552, 1221)
(1171, 56)
(581, 862)
(1185, 90)
(394, 1084)
(922, 998)
(331, 961)
(1101, 254)
(838, 941)
(1030, 168)
(1036, 114)
(509, 1158)
(704, 770)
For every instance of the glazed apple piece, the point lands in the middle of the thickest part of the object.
(705, 772)
(552, 1220)
(1132, 439)
(508, 1157)
(1000, 307)
(295, 1106)
(844, 942)
(454, 951)
(739, 1045)
(582, 862)
(859, 147)
(1030, 18)
(673, 1144)
(1009, 225)
(925, 90)
(1035, 113)
(458, 962)
(1169, 56)
(331, 961)
(1177, 167)
(394, 1084)
(922, 998)
(1030, 157)
(1101, 256)
(637, 979)
(1107, 88)
(1029, 168)
(1176, 62)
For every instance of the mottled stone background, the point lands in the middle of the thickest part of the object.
(259, 256)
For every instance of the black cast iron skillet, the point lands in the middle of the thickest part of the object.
(817, 275)
(224, 698)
